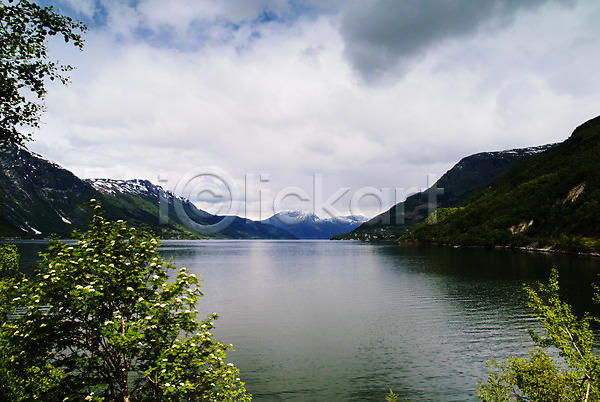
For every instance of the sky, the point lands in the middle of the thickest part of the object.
(330, 106)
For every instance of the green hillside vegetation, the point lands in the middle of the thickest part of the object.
(143, 214)
(470, 174)
(39, 198)
(549, 200)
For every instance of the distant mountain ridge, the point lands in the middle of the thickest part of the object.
(548, 200)
(126, 195)
(306, 225)
(470, 174)
(39, 198)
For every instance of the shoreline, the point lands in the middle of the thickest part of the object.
(497, 247)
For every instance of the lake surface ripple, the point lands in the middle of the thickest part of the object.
(347, 321)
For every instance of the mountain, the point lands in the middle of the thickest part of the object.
(39, 198)
(549, 200)
(140, 201)
(306, 225)
(470, 174)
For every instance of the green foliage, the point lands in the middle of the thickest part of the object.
(9, 274)
(540, 377)
(537, 378)
(470, 175)
(550, 199)
(14, 379)
(391, 397)
(439, 215)
(577, 244)
(24, 63)
(107, 319)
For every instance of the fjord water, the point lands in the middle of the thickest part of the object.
(347, 321)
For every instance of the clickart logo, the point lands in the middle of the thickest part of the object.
(216, 188)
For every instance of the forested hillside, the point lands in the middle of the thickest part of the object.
(547, 200)
(471, 173)
(39, 198)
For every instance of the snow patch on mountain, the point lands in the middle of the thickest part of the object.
(133, 187)
(307, 225)
(294, 217)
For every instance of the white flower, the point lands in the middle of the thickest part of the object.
(129, 289)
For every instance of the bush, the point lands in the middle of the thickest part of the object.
(577, 377)
(101, 320)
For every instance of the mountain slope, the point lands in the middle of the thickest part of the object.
(140, 202)
(470, 174)
(305, 225)
(39, 198)
(549, 199)
(137, 201)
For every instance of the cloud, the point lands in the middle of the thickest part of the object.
(384, 38)
(269, 87)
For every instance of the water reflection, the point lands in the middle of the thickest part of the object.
(347, 321)
(319, 320)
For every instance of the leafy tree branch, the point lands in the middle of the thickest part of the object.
(540, 377)
(25, 64)
(107, 318)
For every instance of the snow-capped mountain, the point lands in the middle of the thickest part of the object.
(142, 188)
(470, 174)
(175, 210)
(307, 225)
(39, 198)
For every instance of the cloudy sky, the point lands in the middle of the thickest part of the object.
(300, 102)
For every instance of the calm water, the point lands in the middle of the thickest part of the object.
(347, 321)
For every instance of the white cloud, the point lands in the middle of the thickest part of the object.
(283, 97)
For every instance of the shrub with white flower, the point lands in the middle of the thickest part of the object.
(115, 327)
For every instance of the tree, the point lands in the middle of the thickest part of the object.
(106, 318)
(540, 377)
(9, 274)
(11, 380)
(25, 64)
